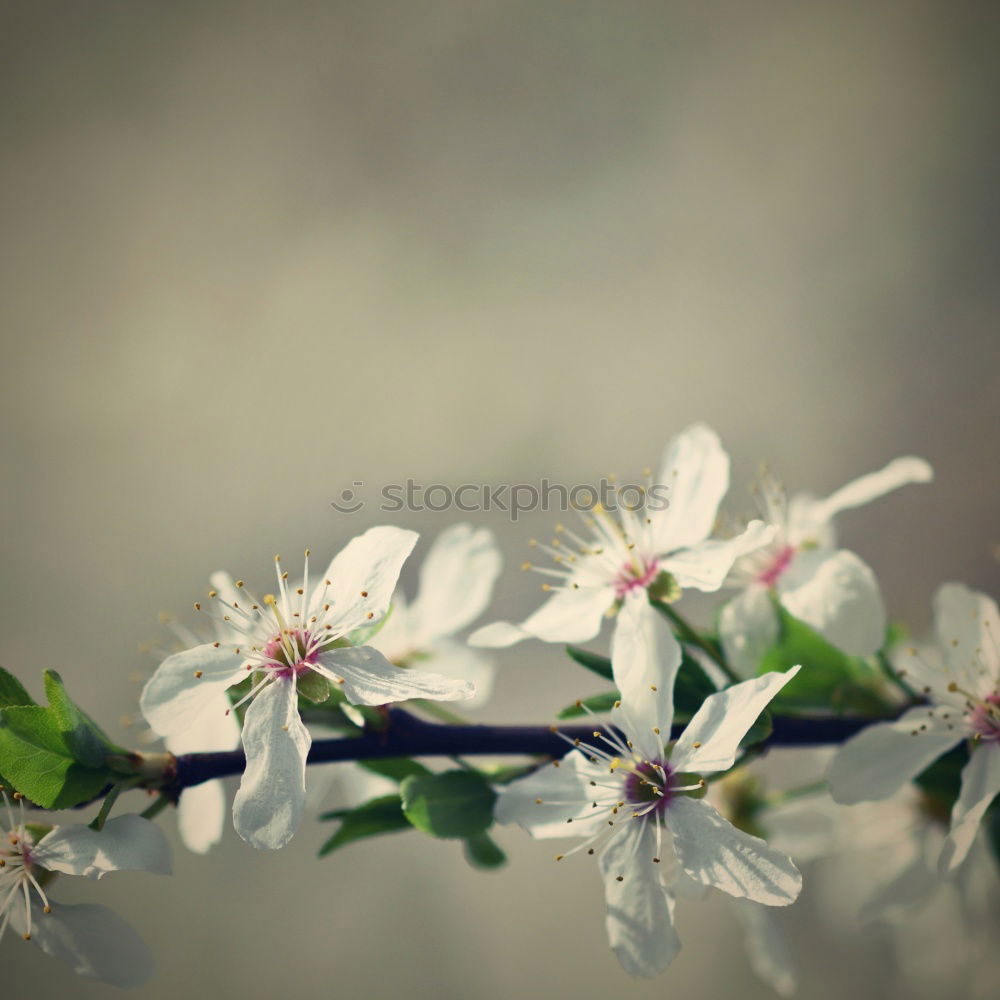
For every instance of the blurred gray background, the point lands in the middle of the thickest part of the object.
(255, 252)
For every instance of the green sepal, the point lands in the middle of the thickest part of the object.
(313, 686)
(449, 805)
(396, 769)
(482, 851)
(664, 589)
(12, 691)
(682, 778)
(373, 818)
(596, 703)
(39, 763)
(89, 744)
(595, 662)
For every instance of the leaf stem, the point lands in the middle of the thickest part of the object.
(154, 810)
(692, 637)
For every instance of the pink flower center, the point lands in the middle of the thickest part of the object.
(782, 560)
(984, 719)
(630, 578)
(286, 654)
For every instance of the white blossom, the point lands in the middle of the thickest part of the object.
(91, 939)
(963, 703)
(294, 642)
(637, 797)
(658, 548)
(830, 589)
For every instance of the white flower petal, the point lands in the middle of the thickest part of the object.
(899, 472)
(363, 576)
(367, 678)
(645, 657)
(695, 471)
(980, 785)
(565, 795)
(201, 812)
(456, 581)
(723, 719)
(968, 628)
(705, 565)
(215, 728)
(268, 806)
(766, 947)
(836, 594)
(396, 636)
(571, 615)
(498, 635)
(92, 940)
(201, 816)
(748, 628)
(187, 684)
(882, 758)
(711, 850)
(449, 658)
(639, 920)
(127, 843)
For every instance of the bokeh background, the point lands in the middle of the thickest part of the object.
(255, 252)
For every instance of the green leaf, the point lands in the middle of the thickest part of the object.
(596, 703)
(12, 691)
(828, 677)
(37, 761)
(382, 815)
(88, 743)
(600, 665)
(482, 851)
(452, 804)
(395, 768)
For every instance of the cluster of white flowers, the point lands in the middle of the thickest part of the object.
(635, 792)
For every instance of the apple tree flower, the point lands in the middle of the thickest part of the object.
(659, 550)
(456, 583)
(90, 938)
(295, 642)
(830, 589)
(639, 799)
(963, 703)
